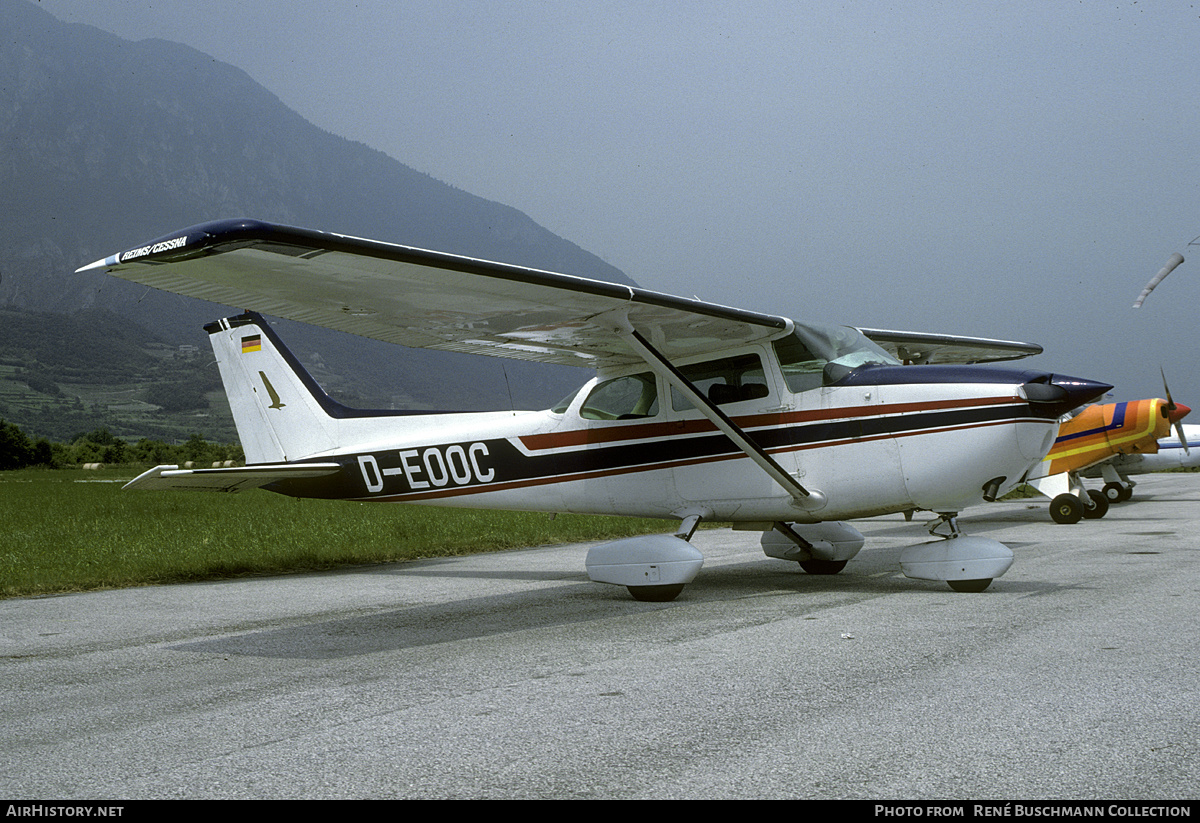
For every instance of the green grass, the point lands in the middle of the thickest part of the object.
(75, 530)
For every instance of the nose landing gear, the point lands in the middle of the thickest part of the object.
(966, 564)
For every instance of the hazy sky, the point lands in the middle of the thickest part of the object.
(993, 169)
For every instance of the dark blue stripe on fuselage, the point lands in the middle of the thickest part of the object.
(1117, 422)
(510, 465)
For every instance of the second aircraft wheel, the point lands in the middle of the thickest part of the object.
(1066, 508)
(1099, 506)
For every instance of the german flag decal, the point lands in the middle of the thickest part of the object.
(252, 343)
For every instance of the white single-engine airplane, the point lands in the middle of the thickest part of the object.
(696, 412)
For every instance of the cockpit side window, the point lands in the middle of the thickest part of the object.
(728, 380)
(801, 368)
(623, 398)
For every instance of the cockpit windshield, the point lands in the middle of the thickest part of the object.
(816, 355)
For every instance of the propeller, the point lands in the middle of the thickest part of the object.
(1175, 412)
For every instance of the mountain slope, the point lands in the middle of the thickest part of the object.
(105, 143)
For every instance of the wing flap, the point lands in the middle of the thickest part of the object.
(173, 478)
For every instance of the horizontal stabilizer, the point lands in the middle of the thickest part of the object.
(227, 480)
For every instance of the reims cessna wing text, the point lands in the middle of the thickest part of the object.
(696, 411)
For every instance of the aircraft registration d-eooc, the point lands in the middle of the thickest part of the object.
(696, 411)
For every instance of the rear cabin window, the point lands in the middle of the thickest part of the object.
(624, 398)
(562, 405)
(729, 380)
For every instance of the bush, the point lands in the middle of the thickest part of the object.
(100, 445)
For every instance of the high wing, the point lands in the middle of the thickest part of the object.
(921, 348)
(428, 299)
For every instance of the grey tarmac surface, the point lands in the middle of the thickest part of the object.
(511, 675)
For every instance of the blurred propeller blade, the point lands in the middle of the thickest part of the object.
(1175, 413)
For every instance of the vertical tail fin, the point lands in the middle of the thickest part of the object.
(280, 412)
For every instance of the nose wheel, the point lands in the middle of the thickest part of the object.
(965, 564)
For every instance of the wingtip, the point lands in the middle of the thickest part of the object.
(99, 264)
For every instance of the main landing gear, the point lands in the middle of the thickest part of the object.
(653, 567)
(966, 564)
(1070, 508)
(656, 567)
(819, 548)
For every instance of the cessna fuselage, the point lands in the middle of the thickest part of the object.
(873, 439)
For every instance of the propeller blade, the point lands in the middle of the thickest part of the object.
(1167, 389)
(1175, 413)
(1182, 439)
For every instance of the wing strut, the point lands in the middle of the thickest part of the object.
(809, 500)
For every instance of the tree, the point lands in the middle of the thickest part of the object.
(17, 451)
